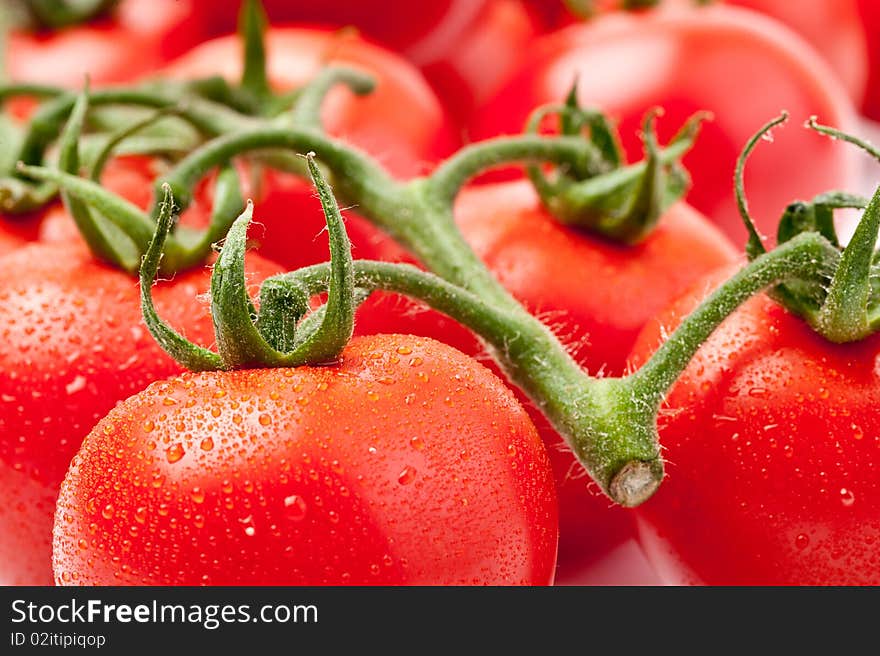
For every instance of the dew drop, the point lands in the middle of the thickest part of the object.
(250, 531)
(174, 452)
(207, 444)
(140, 515)
(107, 512)
(265, 420)
(372, 396)
(847, 498)
(404, 350)
(417, 443)
(197, 495)
(407, 476)
(295, 508)
(802, 541)
(76, 385)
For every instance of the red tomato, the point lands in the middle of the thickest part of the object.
(401, 123)
(844, 31)
(771, 442)
(870, 13)
(406, 463)
(595, 295)
(834, 27)
(404, 26)
(72, 345)
(139, 36)
(742, 67)
(473, 65)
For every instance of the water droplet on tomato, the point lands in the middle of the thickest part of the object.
(197, 495)
(265, 420)
(295, 508)
(207, 444)
(407, 476)
(847, 498)
(107, 512)
(76, 385)
(417, 443)
(174, 452)
(802, 541)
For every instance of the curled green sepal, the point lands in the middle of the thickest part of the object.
(191, 356)
(246, 340)
(274, 336)
(841, 302)
(621, 202)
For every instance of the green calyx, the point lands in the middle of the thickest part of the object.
(618, 201)
(841, 301)
(276, 335)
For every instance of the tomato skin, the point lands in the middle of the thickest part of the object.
(140, 36)
(72, 345)
(870, 13)
(18, 231)
(475, 64)
(833, 27)
(405, 463)
(771, 438)
(403, 26)
(686, 61)
(595, 295)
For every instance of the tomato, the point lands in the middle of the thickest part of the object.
(737, 64)
(870, 13)
(401, 122)
(771, 441)
(404, 463)
(595, 295)
(73, 345)
(139, 36)
(834, 27)
(844, 32)
(403, 26)
(475, 63)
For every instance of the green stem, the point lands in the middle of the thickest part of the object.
(803, 257)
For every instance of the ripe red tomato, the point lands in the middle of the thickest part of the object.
(771, 441)
(844, 32)
(737, 64)
(403, 26)
(596, 296)
(401, 122)
(834, 27)
(405, 463)
(870, 13)
(468, 68)
(72, 345)
(138, 37)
